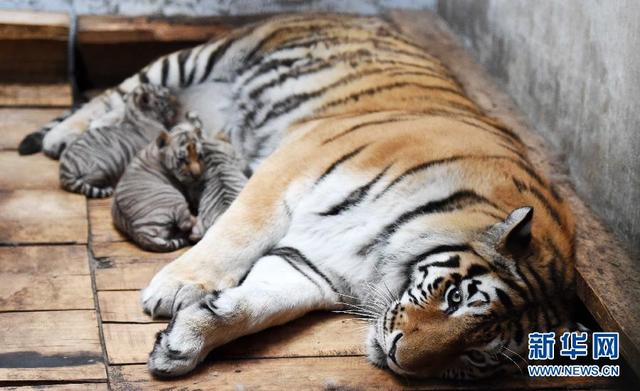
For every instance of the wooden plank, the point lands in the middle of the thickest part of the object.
(61, 387)
(45, 278)
(41, 95)
(24, 25)
(123, 266)
(312, 335)
(29, 25)
(608, 281)
(129, 343)
(100, 221)
(28, 172)
(15, 124)
(42, 216)
(122, 306)
(108, 29)
(322, 373)
(51, 345)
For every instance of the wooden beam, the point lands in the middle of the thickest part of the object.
(41, 95)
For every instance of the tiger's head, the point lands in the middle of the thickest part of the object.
(153, 102)
(181, 150)
(467, 308)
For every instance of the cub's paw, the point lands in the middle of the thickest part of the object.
(197, 232)
(166, 295)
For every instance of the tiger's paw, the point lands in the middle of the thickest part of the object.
(191, 335)
(171, 360)
(166, 295)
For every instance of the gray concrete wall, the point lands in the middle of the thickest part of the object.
(213, 7)
(574, 68)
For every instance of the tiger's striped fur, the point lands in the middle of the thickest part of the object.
(380, 188)
(93, 164)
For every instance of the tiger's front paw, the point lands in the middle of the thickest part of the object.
(194, 332)
(167, 294)
(169, 359)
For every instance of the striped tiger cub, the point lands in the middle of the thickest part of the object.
(379, 189)
(152, 200)
(93, 164)
(225, 174)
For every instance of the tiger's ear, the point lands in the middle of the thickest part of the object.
(512, 236)
(162, 140)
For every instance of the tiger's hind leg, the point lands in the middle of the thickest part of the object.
(264, 299)
(64, 132)
(181, 71)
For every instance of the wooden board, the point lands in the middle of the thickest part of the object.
(320, 373)
(44, 278)
(26, 25)
(28, 172)
(16, 123)
(42, 216)
(123, 266)
(51, 345)
(608, 280)
(29, 25)
(42, 95)
(101, 222)
(313, 335)
(123, 307)
(61, 387)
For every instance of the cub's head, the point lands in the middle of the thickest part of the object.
(181, 150)
(153, 102)
(467, 308)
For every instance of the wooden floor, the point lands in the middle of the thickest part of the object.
(69, 291)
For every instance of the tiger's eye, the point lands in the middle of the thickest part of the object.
(454, 297)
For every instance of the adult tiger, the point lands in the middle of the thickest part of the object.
(379, 185)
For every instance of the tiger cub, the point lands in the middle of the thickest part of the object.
(93, 164)
(226, 173)
(173, 177)
(151, 202)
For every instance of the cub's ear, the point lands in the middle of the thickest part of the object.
(513, 235)
(162, 140)
(194, 118)
(142, 98)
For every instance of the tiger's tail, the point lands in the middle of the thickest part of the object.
(78, 185)
(77, 182)
(32, 143)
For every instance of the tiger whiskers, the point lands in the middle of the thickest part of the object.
(501, 352)
(516, 353)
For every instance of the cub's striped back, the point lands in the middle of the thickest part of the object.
(93, 164)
